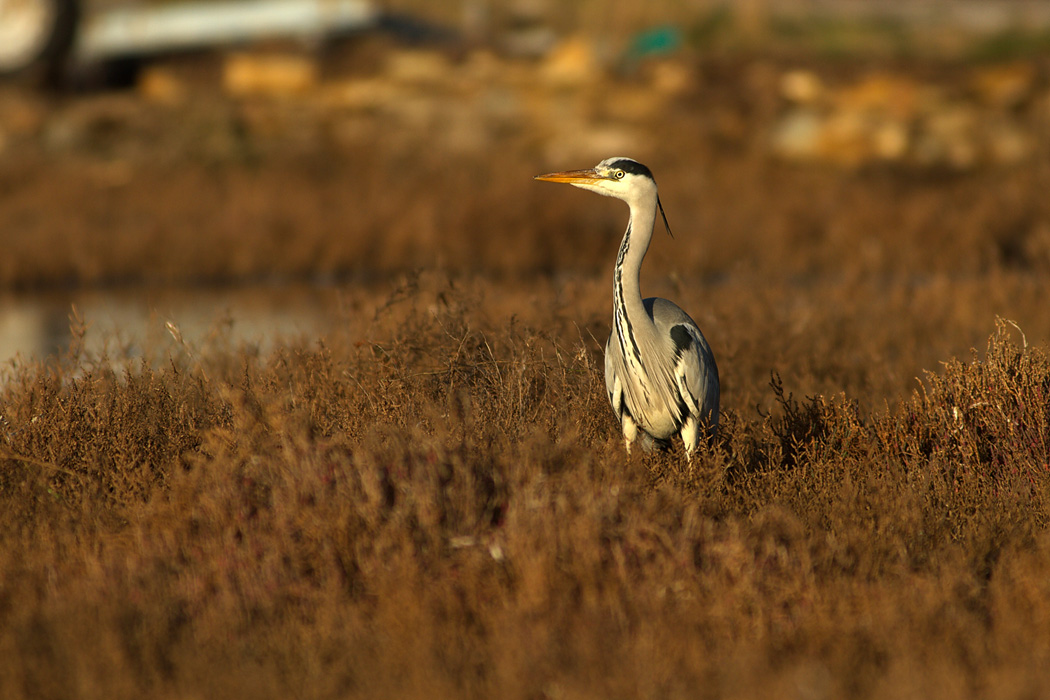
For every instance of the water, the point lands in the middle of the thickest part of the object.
(126, 324)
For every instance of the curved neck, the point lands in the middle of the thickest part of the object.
(627, 294)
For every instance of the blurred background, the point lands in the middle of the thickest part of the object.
(265, 168)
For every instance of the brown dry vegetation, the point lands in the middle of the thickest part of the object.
(445, 510)
(432, 499)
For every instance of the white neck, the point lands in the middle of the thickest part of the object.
(635, 243)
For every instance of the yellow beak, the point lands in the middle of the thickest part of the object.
(572, 176)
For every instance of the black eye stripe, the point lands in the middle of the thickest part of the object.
(631, 166)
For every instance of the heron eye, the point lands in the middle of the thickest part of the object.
(619, 174)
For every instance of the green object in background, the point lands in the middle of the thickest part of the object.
(658, 41)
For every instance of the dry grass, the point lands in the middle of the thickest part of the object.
(440, 507)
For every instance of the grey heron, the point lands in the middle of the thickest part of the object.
(660, 373)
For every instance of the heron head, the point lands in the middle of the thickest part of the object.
(623, 178)
(619, 177)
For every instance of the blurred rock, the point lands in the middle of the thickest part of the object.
(948, 137)
(846, 138)
(891, 140)
(571, 63)
(880, 94)
(855, 138)
(161, 86)
(893, 118)
(269, 75)
(797, 135)
(801, 86)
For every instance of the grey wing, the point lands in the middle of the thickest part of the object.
(695, 373)
(697, 377)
